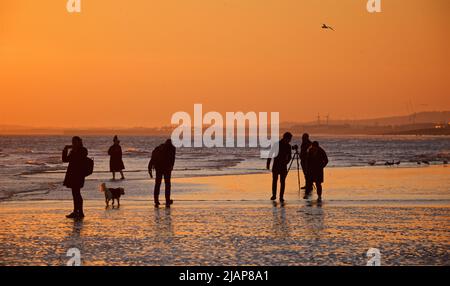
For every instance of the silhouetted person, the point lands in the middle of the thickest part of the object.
(306, 143)
(115, 159)
(163, 159)
(75, 174)
(316, 161)
(280, 163)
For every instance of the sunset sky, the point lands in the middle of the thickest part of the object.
(135, 63)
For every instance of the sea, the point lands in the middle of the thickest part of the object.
(33, 163)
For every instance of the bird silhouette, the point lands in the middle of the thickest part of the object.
(324, 26)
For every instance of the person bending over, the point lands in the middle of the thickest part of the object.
(163, 160)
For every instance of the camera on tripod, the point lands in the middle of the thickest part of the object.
(296, 157)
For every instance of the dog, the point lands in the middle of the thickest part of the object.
(112, 194)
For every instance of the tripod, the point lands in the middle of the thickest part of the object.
(297, 158)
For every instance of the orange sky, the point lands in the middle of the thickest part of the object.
(135, 63)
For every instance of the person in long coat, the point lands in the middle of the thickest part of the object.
(316, 161)
(306, 143)
(115, 159)
(75, 174)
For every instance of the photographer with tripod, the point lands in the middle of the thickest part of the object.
(280, 163)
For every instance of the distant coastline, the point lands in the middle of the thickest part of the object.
(422, 123)
(297, 131)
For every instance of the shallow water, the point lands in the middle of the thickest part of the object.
(33, 163)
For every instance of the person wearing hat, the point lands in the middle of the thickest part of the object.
(115, 159)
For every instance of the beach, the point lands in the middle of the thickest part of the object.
(229, 220)
(211, 95)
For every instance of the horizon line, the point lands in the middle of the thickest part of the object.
(24, 126)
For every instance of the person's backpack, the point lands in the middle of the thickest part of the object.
(157, 156)
(89, 167)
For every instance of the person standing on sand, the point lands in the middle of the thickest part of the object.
(75, 174)
(306, 143)
(115, 159)
(280, 163)
(316, 161)
(163, 160)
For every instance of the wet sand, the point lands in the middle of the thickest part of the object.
(228, 220)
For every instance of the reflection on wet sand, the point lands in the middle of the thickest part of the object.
(313, 216)
(73, 240)
(74, 237)
(280, 222)
(163, 241)
(163, 223)
(225, 234)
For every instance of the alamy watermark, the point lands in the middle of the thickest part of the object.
(373, 6)
(75, 257)
(74, 6)
(207, 130)
(374, 257)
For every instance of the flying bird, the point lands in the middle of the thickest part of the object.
(324, 26)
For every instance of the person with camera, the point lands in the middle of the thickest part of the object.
(75, 174)
(280, 165)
